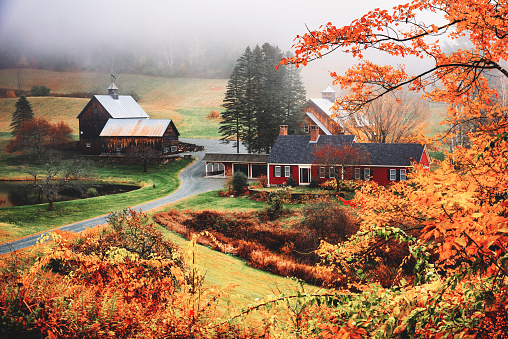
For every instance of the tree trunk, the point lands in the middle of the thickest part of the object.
(50, 205)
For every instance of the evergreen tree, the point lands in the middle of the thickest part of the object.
(23, 113)
(259, 99)
(231, 125)
(294, 97)
(250, 75)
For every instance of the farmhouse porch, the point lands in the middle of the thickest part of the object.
(225, 164)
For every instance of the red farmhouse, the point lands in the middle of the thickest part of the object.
(292, 155)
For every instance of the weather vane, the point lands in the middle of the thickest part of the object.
(113, 78)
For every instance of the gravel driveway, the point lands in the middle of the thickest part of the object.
(192, 180)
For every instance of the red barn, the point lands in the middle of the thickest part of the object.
(112, 123)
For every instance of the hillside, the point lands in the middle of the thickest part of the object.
(186, 101)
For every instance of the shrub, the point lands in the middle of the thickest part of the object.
(40, 91)
(348, 185)
(91, 192)
(275, 201)
(213, 115)
(239, 183)
(262, 180)
(328, 220)
(329, 185)
(291, 182)
(314, 183)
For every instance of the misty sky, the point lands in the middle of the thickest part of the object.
(64, 25)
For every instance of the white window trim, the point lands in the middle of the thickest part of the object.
(403, 176)
(88, 145)
(174, 149)
(277, 171)
(366, 174)
(331, 172)
(287, 171)
(306, 128)
(322, 172)
(393, 174)
(357, 173)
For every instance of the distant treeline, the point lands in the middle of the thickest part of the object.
(14, 93)
(183, 60)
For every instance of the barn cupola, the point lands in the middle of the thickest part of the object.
(112, 89)
(329, 94)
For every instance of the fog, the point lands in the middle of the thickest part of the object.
(173, 29)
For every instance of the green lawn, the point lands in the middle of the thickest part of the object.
(223, 270)
(212, 201)
(26, 220)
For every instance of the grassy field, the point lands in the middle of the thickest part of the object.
(17, 222)
(186, 101)
(223, 269)
(212, 201)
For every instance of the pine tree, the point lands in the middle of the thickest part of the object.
(294, 97)
(23, 113)
(231, 118)
(259, 99)
(249, 68)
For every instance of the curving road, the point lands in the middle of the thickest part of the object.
(192, 182)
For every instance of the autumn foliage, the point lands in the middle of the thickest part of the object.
(40, 135)
(279, 248)
(454, 221)
(122, 281)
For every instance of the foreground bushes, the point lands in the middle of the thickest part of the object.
(122, 281)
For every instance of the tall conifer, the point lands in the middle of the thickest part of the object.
(23, 113)
(231, 125)
(264, 99)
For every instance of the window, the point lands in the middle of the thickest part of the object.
(118, 149)
(95, 110)
(287, 171)
(88, 145)
(322, 173)
(357, 174)
(366, 173)
(277, 171)
(402, 175)
(166, 149)
(174, 149)
(393, 174)
(331, 174)
(306, 128)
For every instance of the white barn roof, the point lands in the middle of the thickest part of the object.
(125, 107)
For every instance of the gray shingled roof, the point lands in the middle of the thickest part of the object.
(393, 154)
(125, 107)
(296, 149)
(135, 127)
(236, 157)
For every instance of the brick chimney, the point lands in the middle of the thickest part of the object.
(314, 133)
(283, 130)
